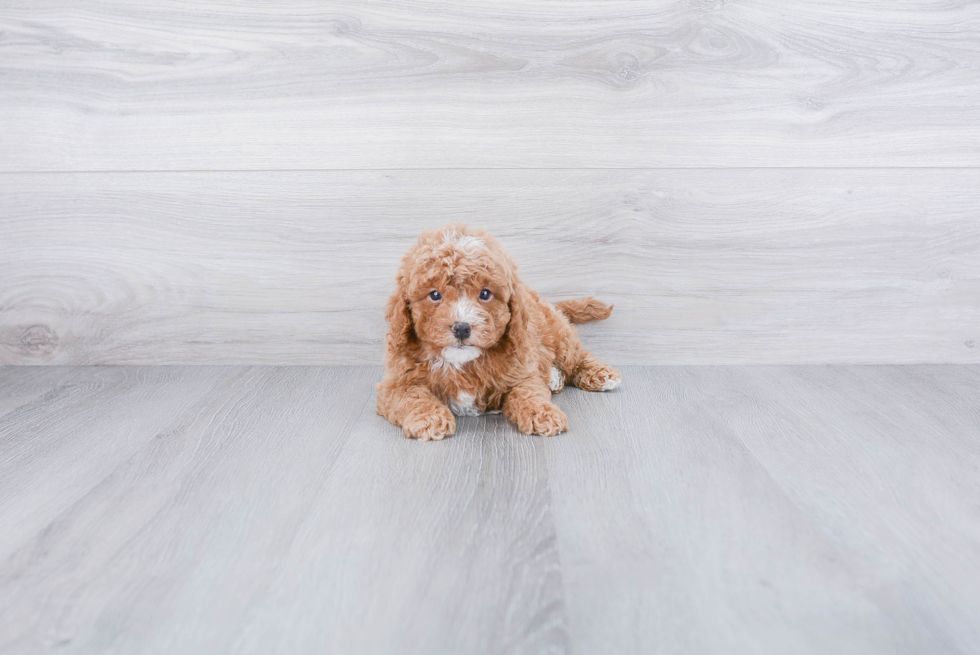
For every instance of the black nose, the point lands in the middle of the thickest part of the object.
(461, 330)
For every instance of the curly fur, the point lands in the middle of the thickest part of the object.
(520, 350)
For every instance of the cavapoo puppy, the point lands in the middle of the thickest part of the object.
(465, 336)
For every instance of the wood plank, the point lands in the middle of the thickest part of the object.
(762, 509)
(180, 85)
(767, 510)
(167, 552)
(704, 266)
(428, 548)
(893, 476)
(283, 515)
(20, 385)
(74, 437)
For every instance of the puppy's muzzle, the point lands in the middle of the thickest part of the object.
(461, 331)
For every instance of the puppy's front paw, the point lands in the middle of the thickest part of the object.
(430, 423)
(545, 420)
(597, 377)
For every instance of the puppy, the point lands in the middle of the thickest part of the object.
(465, 336)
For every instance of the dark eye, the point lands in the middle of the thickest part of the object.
(435, 296)
(486, 295)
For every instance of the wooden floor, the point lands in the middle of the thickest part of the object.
(695, 510)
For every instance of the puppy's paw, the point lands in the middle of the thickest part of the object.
(429, 424)
(545, 420)
(597, 377)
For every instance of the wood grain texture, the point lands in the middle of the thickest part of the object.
(771, 510)
(264, 510)
(180, 85)
(414, 550)
(278, 513)
(19, 388)
(703, 266)
(73, 437)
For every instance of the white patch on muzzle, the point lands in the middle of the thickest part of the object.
(465, 310)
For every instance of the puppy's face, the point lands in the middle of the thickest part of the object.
(458, 289)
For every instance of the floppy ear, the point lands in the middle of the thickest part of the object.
(401, 332)
(517, 329)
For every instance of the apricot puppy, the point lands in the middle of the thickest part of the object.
(465, 336)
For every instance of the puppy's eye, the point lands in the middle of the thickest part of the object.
(435, 296)
(486, 295)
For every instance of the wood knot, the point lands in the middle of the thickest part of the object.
(38, 340)
(630, 68)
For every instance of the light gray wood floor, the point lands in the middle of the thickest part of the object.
(694, 510)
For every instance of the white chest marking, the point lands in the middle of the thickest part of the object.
(463, 405)
(557, 379)
(455, 357)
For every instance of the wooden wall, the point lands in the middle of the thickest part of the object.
(233, 182)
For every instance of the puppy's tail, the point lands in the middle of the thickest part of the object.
(583, 310)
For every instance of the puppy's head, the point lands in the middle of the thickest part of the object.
(455, 296)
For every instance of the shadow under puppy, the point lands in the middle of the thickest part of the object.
(466, 336)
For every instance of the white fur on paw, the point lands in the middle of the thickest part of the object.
(557, 379)
(611, 384)
(464, 405)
